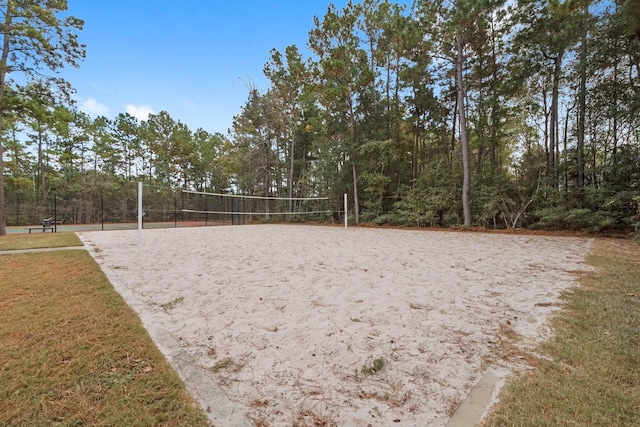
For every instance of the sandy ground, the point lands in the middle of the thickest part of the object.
(289, 321)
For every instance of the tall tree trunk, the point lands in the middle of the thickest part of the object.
(293, 146)
(614, 149)
(414, 151)
(453, 134)
(3, 74)
(3, 224)
(582, 103)
(374, 93)
(388, 90)
(481, 126)
(594, 152)
(493, 126)
(546, 123)
(396, 102)
(464, 141)
(267, 178)
(555, 95)
(356, 198)
(565, 170)
(354, 169)
(40, 185)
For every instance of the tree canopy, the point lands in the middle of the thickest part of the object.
(487, 113)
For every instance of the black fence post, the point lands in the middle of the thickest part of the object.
(234, 209)
(182, 206)
(102, 210)
(55, 213)
(206, 212)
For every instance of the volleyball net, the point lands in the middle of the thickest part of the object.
(240, 209)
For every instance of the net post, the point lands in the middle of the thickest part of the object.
(345, 210)
(139, 212)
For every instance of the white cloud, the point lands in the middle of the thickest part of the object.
(93, 107)
(140, 112)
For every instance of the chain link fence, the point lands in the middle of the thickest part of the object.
(161, 207)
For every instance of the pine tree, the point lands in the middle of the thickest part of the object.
(35, 40)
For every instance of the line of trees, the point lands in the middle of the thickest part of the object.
(451, 112)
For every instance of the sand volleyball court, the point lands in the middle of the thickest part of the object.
(275, 325)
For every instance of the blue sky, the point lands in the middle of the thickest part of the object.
(188, 57)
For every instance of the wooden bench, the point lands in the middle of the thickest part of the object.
(39, 228)
(46, 225)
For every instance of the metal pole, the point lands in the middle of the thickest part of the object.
(139, 212)
(182, 206)
(346, 206)
(233, 209)
(55, 213)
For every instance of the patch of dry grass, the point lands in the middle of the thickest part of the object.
(38, 240)
(73, 353)
(589, 374)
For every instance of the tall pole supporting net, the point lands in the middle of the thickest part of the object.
(346, 206)
(140, 212)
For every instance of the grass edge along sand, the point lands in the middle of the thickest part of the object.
(587, 373)
(73, 353)
(38, 241)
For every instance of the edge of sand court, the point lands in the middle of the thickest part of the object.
(297, 314)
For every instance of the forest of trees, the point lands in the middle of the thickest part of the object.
(489, 113)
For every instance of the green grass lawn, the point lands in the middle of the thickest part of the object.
(73, 353)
